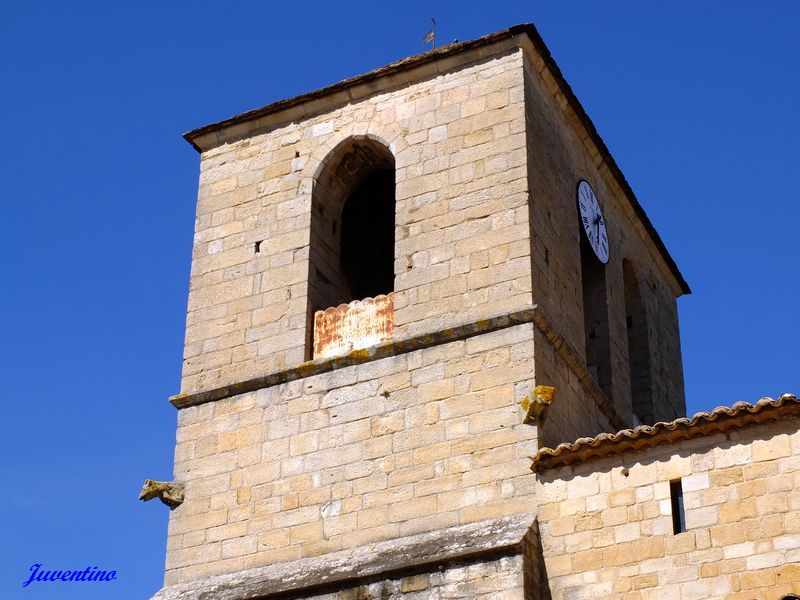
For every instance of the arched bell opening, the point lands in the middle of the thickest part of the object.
(352, 247)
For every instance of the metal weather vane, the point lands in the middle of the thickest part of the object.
(430, 37)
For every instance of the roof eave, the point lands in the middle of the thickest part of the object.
(721, 419)
(345, 84)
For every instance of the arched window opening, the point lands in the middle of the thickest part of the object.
(595, 318)
(367, 245)
(352, 246)
(638, 347)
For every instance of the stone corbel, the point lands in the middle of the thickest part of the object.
(169, 492)
(536, 405)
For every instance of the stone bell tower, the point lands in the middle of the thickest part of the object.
(389, 279)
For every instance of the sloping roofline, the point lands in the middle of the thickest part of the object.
(528, 29)
(721, 418)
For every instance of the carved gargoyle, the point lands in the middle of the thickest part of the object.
(169, 492)
(536, 405)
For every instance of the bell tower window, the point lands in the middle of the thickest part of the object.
(351, 259)
(367, 240)
(595, 318)
(638, 347)
(594, 257)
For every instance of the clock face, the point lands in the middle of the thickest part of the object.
(594, 225)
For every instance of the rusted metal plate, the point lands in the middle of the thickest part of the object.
(347, 327)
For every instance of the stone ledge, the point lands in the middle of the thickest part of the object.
(496, 536)
(357, 357)
(534, 315)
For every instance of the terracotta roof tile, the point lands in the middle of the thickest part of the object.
(645, 436)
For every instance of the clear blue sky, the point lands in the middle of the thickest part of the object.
(697, 101)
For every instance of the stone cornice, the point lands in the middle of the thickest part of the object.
(357, 357)
(534, 315)
(402, 72)
(495, 537)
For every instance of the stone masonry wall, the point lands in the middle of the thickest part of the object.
(464, 224)
(607, 529)
(572, 414)
(560, 154)
(484, 580)
(412, 443)
(461, 234)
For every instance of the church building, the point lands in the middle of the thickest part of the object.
(432, 351)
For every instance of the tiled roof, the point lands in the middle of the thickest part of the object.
(646, 436)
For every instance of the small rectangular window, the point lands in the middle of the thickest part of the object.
(678, 514)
